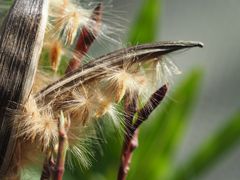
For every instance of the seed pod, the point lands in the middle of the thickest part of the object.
(21, 39)
(118, 59)
(91, 91)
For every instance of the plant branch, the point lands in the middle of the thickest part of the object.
(86, 38)
(150, 106)
(62, 147)
(48, 167)
(132, 129)
(130, 108)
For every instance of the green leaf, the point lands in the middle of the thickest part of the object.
(145, 28)
(163, 131)
(209, 153)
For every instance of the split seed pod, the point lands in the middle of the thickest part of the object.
(84, 95)
(21, 39)
(92, 91)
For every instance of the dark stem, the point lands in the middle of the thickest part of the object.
(130, 144)
(130, 108)
(131, 138)
(48, 167)
(150, 106)
(86, 39)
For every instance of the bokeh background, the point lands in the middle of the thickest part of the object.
(216, 24)
(196, 132)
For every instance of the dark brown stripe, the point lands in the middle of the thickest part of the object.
(18, 62)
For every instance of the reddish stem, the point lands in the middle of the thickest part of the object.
(86, 38)
(62, 148)
(130, 107)
(150, 106)
(132, 129)
(130, 144)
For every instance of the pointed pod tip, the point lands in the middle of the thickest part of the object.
(184, 44)
(196, 44)
(171, 46)
(98, 7)
(200, 44)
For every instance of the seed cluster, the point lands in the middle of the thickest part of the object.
(91, 91)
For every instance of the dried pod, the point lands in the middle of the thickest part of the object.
(21, 39)
(116, 60)
(89, 92)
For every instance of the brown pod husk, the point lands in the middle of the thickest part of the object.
(21, 39)
(98, 67)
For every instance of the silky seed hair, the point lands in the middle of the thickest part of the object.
(86, 101)
(66, 20)
(37, 124)
(69, 19)
(90, 93)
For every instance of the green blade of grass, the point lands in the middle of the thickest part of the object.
(145, 28)
(209, 153)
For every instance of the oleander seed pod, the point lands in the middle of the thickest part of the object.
(29, 119)
(21, 39)
(92, 91)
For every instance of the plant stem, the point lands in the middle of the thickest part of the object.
(62, 148)
(86, 38)
(48, 167)
(130, 144)
(150, 106)
(132, 129)
(130, 108)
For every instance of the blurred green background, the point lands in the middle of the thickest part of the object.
(195, 132)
